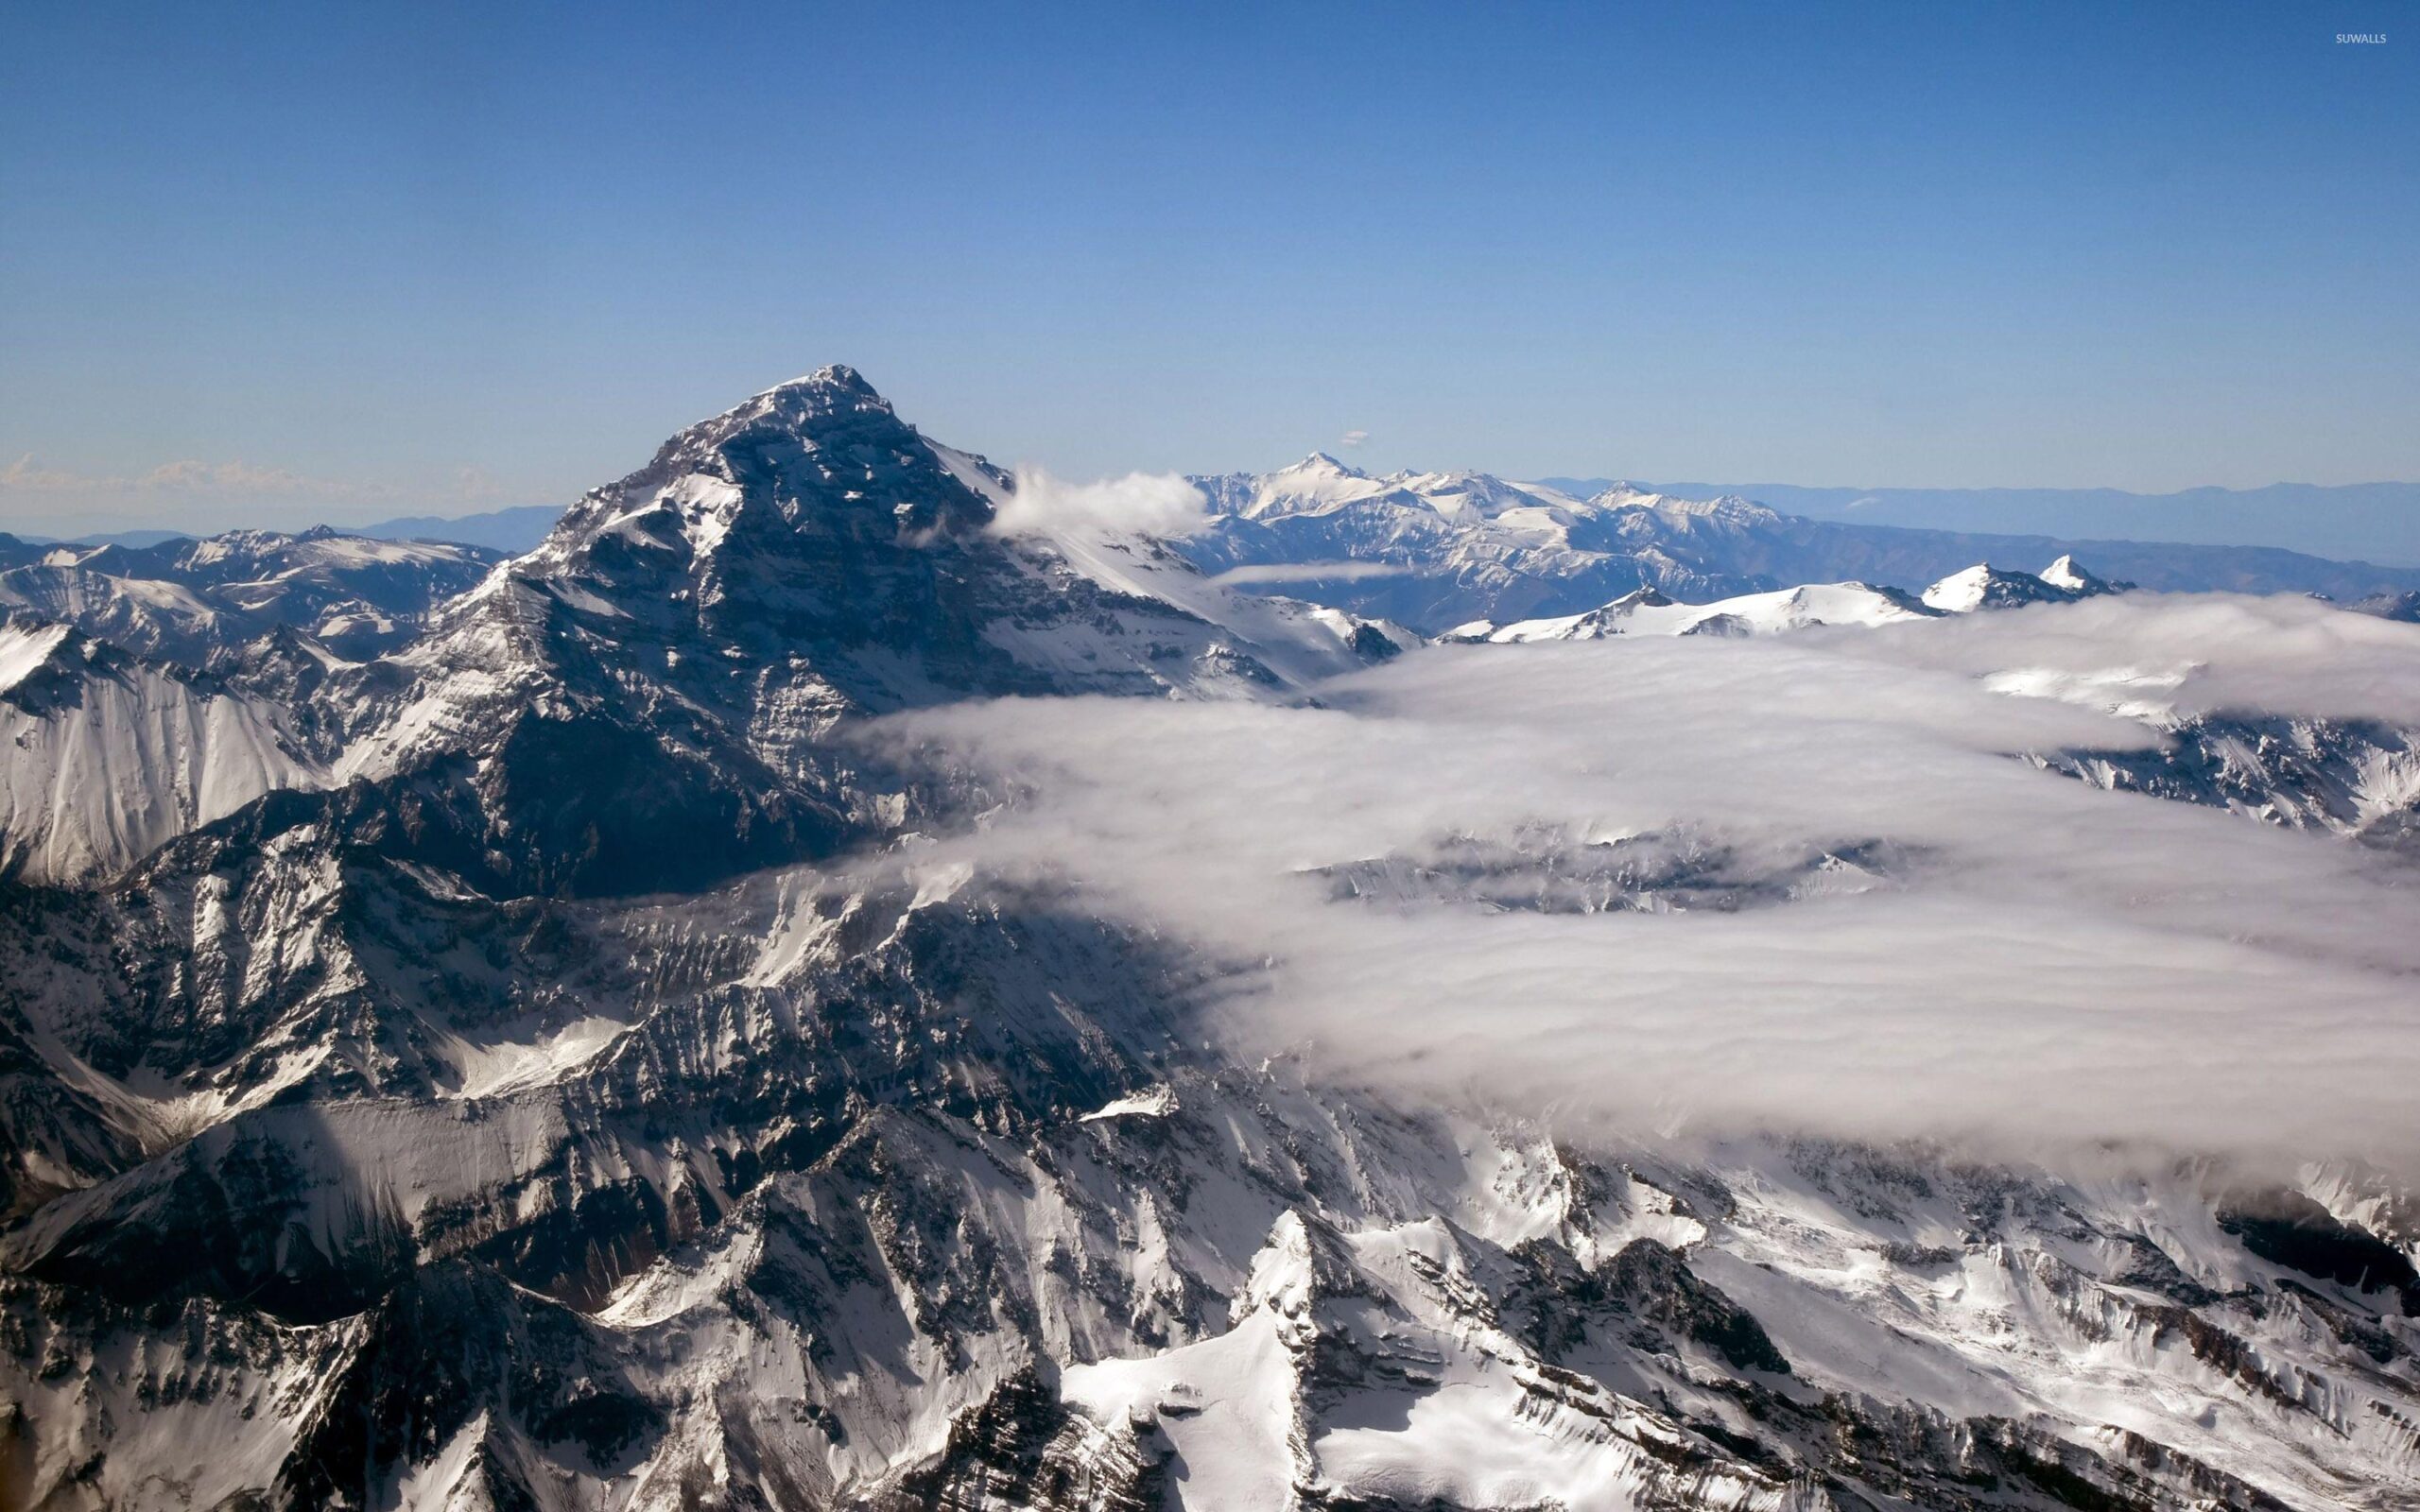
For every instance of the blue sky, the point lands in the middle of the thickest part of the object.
(352, 261)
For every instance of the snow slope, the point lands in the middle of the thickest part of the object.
(111, 757)
(1647, 613)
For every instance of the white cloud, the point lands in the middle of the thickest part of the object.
(476, 485)
(188, 476)
(1311, 571)
(2050, 966)
(26, 475)
(1353, 438)
(1139, 503)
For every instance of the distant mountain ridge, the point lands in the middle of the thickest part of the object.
(1434, 550)
(198, 600)
(511, 531)
(2352, 522)
(2347, 542)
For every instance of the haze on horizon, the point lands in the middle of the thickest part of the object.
(304, 264)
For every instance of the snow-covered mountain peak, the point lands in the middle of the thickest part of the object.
(1315, 485)
(824, 455)
(1984, 586)
(831, 376)
(2071, 575)
(1323, 464)
(805, 557)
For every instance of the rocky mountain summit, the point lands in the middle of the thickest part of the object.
(538, 1065)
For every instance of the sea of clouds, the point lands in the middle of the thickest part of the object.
(2045, 966)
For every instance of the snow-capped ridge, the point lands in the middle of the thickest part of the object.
(1646, 612)
(1984, 586)
(198, 600)
(25, 649)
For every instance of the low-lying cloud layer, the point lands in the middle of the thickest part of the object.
(2041, 964)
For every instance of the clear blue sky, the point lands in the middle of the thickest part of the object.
(354, 260)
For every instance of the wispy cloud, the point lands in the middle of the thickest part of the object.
(2047, 967)
(1139, 503)
(1311, 571)
(237, 479)
(476, 485)
(1353, 438)
(26, 475)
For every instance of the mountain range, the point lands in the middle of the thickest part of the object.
(2375, 523)
(1436, 549)
(482, 1033)
(1554, 547)
(2379, 522)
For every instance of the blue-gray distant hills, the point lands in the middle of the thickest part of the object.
(512, 532)
(2360, 521)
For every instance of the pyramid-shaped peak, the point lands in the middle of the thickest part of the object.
(836, 377)
(822, 454)
(829, 404)
(2071, 574)
(802, 405)
(1326, 463)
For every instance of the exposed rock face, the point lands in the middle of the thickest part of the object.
(2403, 608)
(2358, 778)
(590, 1100)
